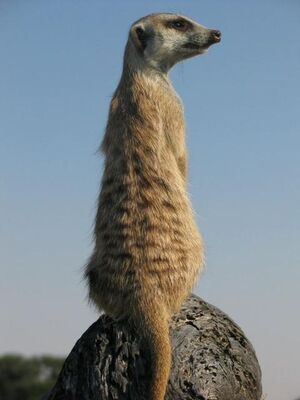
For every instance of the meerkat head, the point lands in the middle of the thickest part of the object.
(162, 40)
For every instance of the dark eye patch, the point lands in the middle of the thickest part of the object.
(179, 24)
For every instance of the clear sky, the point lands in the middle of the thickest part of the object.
(60, 63)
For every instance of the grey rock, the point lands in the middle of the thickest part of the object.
(212, 360)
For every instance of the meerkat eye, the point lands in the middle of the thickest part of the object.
(179, 24)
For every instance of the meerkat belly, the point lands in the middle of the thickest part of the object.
(147, 239)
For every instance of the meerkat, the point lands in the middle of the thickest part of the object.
(148, 250)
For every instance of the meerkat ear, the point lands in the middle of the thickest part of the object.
(139, 37)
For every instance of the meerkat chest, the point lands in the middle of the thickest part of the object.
(173, 122)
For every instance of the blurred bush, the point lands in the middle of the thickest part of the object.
(27, 378)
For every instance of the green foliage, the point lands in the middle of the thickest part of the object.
(27, 378)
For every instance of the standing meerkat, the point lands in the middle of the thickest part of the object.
(148, 250)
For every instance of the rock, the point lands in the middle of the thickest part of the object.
(212, 359)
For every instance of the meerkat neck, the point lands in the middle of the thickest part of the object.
(136, 64)
(129, 75)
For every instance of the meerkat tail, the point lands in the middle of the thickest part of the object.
(153, 325)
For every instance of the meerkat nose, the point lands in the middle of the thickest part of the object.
(216, 35)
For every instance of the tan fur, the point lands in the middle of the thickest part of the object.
(148, 251)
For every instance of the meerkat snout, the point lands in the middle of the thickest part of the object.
(199, 42)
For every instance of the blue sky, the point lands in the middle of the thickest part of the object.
(60, 63)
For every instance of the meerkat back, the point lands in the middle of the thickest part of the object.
(148, 250)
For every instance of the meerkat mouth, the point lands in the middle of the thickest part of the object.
(198, 47)
(193, 46)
